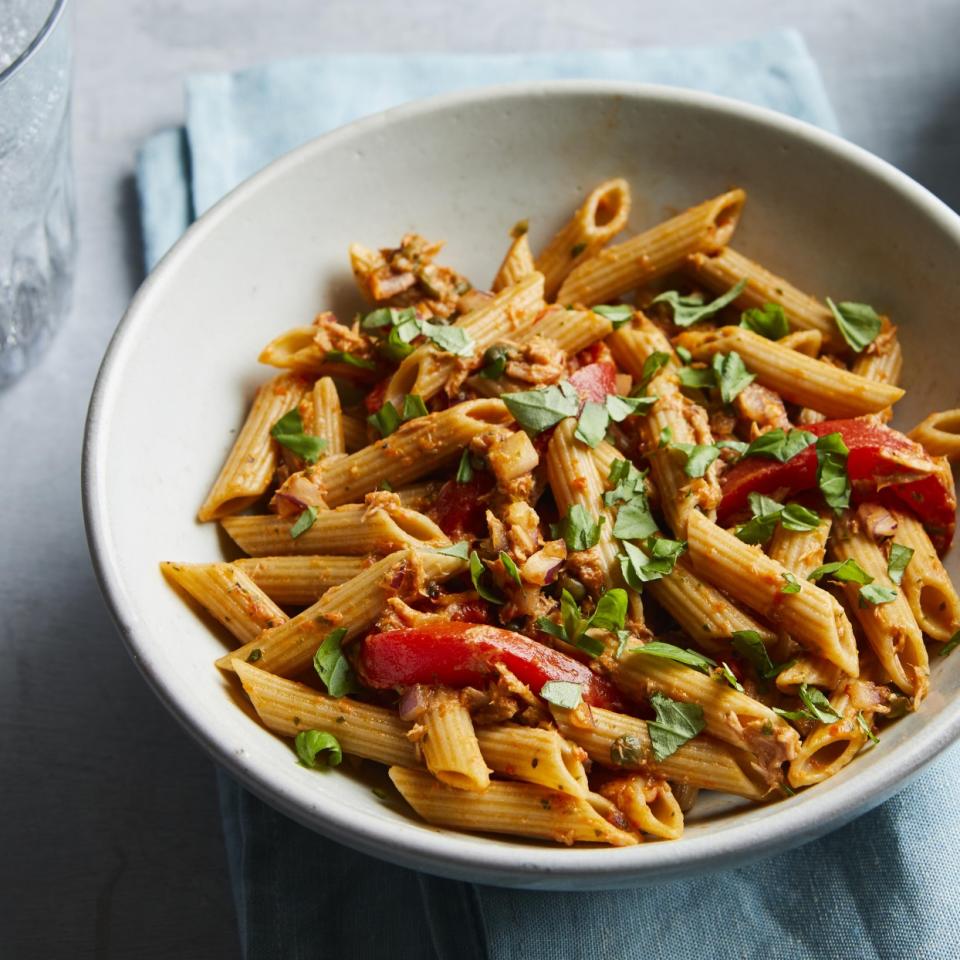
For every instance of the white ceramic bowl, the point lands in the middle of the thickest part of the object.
(180, 371)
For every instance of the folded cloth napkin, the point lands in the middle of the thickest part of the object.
(882, 887)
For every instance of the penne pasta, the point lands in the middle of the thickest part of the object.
(939, 434)
(327, 417)
(648, 804)
(516, 266)
(830, 747)
(299, 581)
(449, 744)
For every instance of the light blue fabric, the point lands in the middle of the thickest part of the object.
(883, 888)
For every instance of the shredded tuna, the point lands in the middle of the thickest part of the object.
(762, 406)
(541, 361)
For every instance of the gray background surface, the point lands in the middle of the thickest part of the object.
(109, 830)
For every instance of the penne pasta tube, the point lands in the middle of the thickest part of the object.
(229, 595)
(720, 270)
(601, 217)
(926, 584)
(449, 744)
(571, 330)
(621, 742)
(939, 434)
(811, 616)
(353, 529)
(890, 628)
(353, 606)
(516, 265)
(807, 342)
(830, 747)
(417, 448)
(648, 804)
(831, 390)
(425, 371)
(633, 344)
(299, 581)
(810, 670)
(327, 418)
(535, 755)
(882, 359)
(245, 476)
(657, 251)
(800, 552)
(520, 809)
(297, 350)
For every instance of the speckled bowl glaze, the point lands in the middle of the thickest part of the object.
(181, 369)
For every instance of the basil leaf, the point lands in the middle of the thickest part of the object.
(385, 420)
(897, 561)
(387, 317)
(494, 362)
(832, 476)
(731, 373)
(453, 340)
(847, 571)
(304, 522)
(627, 751)
(699, 457)
(592, 425)
(684, 354)
(397, 347)
(309, 744)
(460, 550)
(817, 704)
(652, 366)
(332, 666)
(859, 323)
(766, 512)
(413, 407)
(510, 567)
(288, 432)
(950, 645)
(537, 410)
(769, 321)
(620, 408)
(464, 470)
(477, 572)
(579, 530)
(778, 445)
(730, 677)
(865, 727)
(691, 309)
(618, 315)
(634, 520)
(627, 482)
(573, 624)
(874, 594)
(611, 610)
(698, 378)
(793, 714)
(562, 693)
(657, 648)
(554, 629)
(351, 359)
(639, 567)
(799, 519)
(676, 724)
(737, 446)
(752, 648)
(666, 437)
(255, 655)
(791, 583)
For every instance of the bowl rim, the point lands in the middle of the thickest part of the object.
(786, 825)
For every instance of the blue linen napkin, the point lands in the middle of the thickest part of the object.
(882, 887)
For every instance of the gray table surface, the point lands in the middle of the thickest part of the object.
(109, 829)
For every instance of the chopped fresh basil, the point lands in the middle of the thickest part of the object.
(510, 567)
(477, 573)
(865, 727)
(817, 704)
(397, 347)
(769, 321)
(579, 530)
(460, 550)
(847, 571)
(351, 359)
(752, 648)
(288, 432)
(620, 408)
(413, 407)
(634, 520)
(652, 366)
(778, 445)
(593, 422)
(832, 476)
(609, 614)
(657, 648)
(691, 309)
(385, 420)
(950, 645)
(897, 561)
(666, 437)
(464, 470)
(737, 446)
(699, 457)
(791, 583)
(873, 594)
(697, 378)
(494, 362)
(310, 744)
(618, 314)
(387, 317)
(562, 693)
(538, 410)
(332, 666)
(794, 715)
(799, 519)
(676, 724)
(684, 354)
(255, 655)
(610, 611)
(304, 522)
(627, 482)
(766, 512)
(627, 751)
(730, 677)
(655, 561)
(731, 373)
(858, 323)
(449, 339)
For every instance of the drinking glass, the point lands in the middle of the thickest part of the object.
(37, 219)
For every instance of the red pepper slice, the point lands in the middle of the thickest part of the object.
(464, 654)
(375, 398)
(882, 463)
(460, 508)
(595, 381)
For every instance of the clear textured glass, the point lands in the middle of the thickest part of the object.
(37, 218)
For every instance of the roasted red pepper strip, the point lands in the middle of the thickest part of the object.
(460, 508)
(882, 463)
(464, 654)
(595, 381)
